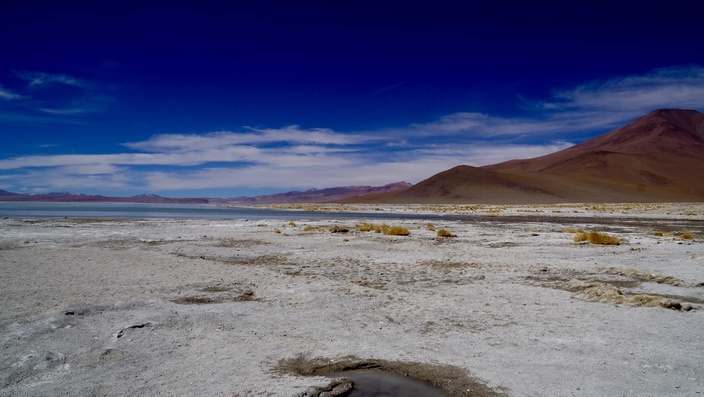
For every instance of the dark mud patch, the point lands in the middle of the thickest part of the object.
(208, 299)
(504, 244)
(216, 288)
(218, 293)
(451, 264)
(261, 260)
(236, 243)
(453, 381)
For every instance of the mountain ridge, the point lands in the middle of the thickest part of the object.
(657, 157)
(309, 196)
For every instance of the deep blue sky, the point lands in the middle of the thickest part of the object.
(228, 99)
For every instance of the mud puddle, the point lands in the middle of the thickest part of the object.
(376, 383)
(379, 378)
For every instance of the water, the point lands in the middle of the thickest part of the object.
(375, 383)
(142, 210)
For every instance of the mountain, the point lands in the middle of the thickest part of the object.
(658, 157)
(6, 193)
(328, 195)
(67, 197)
(309, 196)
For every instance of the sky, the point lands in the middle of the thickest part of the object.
(227, 99)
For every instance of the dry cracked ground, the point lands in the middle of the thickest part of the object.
(264, 307)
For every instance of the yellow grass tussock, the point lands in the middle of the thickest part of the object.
(597, 238)
(384, 229)
(445, 233)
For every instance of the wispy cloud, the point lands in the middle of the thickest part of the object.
(250, 136)
(69, 101)
(662, 88)
(9, 95)
(598, 105)
(40, 79)
(293, 157)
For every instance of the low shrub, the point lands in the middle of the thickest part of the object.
(394, 230)
(572, 230)
(597, 238)
(686, 236)
(384, 229)
(445, 233)
(368, 227)
(431, 227)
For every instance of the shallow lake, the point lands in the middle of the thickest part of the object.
(142, 210)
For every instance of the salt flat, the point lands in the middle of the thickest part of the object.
(236, 307)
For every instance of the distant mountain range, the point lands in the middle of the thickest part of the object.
(309, 196)
(658, 157)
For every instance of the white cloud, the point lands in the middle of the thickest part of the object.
(9, 95)
(296, 158)
(39, 79)
(662, 88)
(292, 134)
(68, 179)
(599, 105)
(351, 169)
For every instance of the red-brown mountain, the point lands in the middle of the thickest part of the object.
(658, 157)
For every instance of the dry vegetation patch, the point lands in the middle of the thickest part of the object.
(607, 293)
(383, 229)
(643, 276)
(597, 238)
(445, 233)
(612, 291)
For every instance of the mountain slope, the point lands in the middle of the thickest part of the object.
(328, 195)
(467, 183)
(657, 157)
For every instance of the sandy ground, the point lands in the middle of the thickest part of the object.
(222, 307)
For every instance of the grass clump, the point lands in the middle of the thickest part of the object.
(445, 233)
(572, 230)
(384, 229)
(369, 227)
(686, 236)
(277, 231)
(597, 238)
(394, 230)
(657, 233)
(430, 227)
(292, 223)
